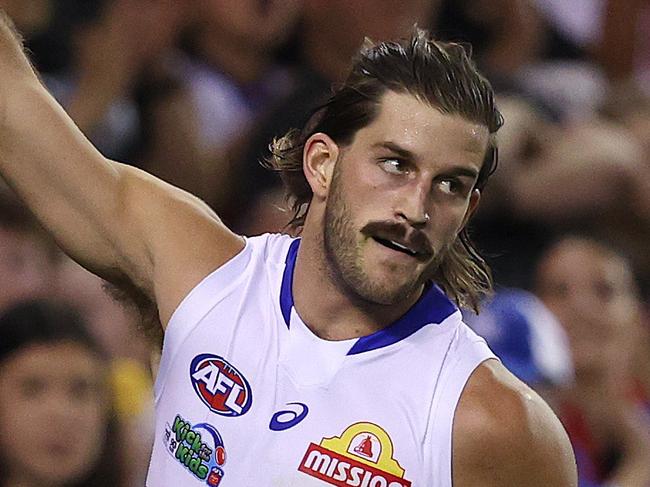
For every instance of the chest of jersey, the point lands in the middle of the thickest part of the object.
(248, 396)
(274, 405)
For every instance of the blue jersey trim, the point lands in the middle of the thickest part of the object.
(433, 307)
(286, 293)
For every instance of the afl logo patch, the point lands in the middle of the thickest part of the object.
(220, 385)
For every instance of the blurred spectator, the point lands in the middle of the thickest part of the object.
(232, 73)
(591, 175)
(595, 26)
(613, 36)
(526, 337)
(31, 267)
(591, 289)
(105, 47)
(27, 255)
(115, 325)
(558, 52)
(511, 39)
(55, 408)
(628, 106)
(114, 66)
(233, 78)
(330, 33)
(506, 35)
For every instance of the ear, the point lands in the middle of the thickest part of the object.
(319, 157)
(474, 198)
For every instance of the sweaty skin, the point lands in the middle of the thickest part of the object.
(504, 434)
(127, 226)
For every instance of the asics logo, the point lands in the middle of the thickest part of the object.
(290, 417)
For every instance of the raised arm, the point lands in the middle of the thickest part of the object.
(117, 221)
(505, 435)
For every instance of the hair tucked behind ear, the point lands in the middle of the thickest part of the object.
(440, 74)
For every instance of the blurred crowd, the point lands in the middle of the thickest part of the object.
(194, 90)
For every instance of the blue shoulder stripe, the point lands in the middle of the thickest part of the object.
(286, 293)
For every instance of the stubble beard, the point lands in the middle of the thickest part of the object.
(344, 261)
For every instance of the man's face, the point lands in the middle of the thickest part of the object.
(399, 195)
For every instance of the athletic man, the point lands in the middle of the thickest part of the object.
(331, 359)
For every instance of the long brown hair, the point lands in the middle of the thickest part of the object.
(441, 74)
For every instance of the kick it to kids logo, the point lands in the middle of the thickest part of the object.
(362, 456)
(199, 448)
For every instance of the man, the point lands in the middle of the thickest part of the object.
(332, 359)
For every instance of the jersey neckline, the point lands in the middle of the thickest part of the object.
(433, 307)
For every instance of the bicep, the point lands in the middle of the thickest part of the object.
(71, 188)
(185, 239)
(116, 220)
(505, 435)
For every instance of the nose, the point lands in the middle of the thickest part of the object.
(580, 308)
(412, 206)
(581, 301)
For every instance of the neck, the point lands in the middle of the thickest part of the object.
(241, 62)
(329, 310)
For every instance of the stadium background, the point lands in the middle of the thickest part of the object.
(194, 90)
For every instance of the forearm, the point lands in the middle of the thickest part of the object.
(48, 162)
(117, 221)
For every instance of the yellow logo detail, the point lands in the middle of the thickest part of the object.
(368, 444)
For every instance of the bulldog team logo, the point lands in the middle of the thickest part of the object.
(220, 385)
(362, 456)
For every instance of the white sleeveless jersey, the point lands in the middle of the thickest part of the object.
(247, 396)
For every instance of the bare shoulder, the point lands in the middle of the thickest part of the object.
(186, 239)
(504, 434)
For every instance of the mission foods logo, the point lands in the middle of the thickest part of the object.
(362, 456)
(220, 385)
(199, 448)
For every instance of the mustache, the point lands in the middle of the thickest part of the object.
(392, 230)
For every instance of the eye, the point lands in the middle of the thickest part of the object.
(32, 387)
(393, 165)
(452, 186)
(604, 290)
(82, 389)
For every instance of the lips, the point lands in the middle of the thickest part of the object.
(58, 449)
(396, 237)
(395, 246)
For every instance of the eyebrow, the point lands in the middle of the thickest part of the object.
(462, 171)
(397, 149)
(408, 155)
